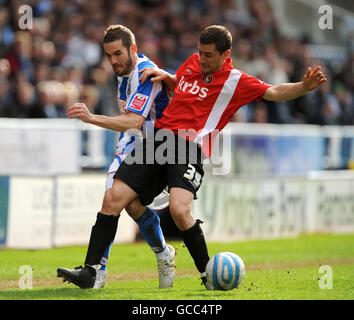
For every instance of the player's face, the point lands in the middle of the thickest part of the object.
(210, 59)
(119, 57)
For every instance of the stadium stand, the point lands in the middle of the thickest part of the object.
(60, 59)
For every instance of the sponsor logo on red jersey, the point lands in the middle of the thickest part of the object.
(192, 88)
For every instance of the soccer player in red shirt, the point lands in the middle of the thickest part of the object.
(208, 90)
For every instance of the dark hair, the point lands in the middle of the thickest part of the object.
(119, 32)
(219, 35)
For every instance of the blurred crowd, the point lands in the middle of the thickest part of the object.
(60, 60)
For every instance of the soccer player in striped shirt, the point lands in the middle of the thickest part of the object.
(141, 104)
(208, 91)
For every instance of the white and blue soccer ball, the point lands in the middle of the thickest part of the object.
(225, 271)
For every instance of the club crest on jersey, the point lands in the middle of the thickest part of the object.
(139, 101)
(207, 78)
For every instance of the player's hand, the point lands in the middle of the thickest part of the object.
(158, 74)
(312, 79)
(79, 110)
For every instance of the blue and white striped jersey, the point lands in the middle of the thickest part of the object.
(148, 99)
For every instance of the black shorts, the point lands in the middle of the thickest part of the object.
(149, 177)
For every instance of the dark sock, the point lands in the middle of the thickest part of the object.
(195, 242)
(102, 234)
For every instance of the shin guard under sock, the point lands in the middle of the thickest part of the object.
(195, 242)
(149, 226)
(102, 234)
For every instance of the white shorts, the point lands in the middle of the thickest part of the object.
(111, 172)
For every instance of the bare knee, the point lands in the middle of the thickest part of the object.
(180, 207)
(117, 198)
(181, 216)
(111, 204)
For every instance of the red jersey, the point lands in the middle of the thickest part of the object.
(205, 103)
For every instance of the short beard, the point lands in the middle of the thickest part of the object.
(127, 67)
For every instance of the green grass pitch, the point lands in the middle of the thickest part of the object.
(282, 269)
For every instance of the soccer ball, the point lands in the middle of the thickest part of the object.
(225, 271)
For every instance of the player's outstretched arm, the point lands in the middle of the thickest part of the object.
(159, 75)
(289, 91)
(119, 123)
